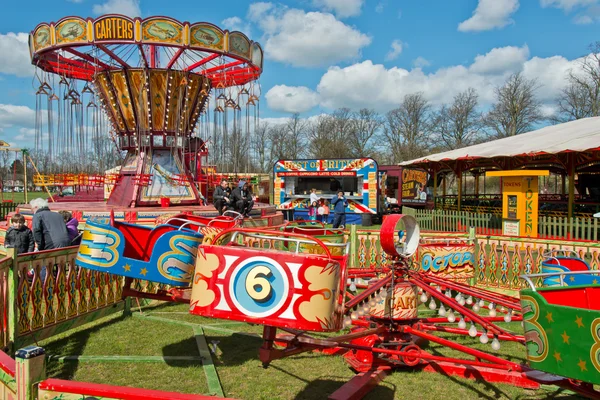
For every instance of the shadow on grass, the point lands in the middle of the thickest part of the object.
(73, 344)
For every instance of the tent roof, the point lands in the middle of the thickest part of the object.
(575, 136)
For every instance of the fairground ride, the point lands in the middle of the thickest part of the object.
(167, 89)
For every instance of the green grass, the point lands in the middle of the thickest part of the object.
(19, 198)
(304, 376)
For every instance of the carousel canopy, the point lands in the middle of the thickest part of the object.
(582, 135)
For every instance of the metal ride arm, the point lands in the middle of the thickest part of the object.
(261, 234)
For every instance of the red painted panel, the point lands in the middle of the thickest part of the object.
(575, 297)
(276, 288)
(7, 364)
(116, 392)
(572, 264)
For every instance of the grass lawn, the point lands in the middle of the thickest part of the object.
(19, 198)
(304, 376)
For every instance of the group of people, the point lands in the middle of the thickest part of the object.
(49, 229)
(239, 199)
(319, 209)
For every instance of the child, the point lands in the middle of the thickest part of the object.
(312, 212)
(72, 225)
(326, 212)
(19, 235)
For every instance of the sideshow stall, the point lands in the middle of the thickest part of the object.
(357, 178)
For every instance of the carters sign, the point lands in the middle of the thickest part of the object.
(454, 261)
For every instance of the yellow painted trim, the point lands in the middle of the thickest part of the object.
(520, 172)
(90, 29)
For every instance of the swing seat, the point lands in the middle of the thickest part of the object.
(567, 264)
(249, 275)
(163, 254)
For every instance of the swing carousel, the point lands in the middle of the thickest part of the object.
(164, 92)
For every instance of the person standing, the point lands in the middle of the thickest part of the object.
(221, 197)
(313, 196)
(49, 229)
(326, 212)
(339, 204)
(19, 236)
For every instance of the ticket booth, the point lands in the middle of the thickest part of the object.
(519, 201)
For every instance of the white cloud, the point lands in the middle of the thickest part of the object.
(588, 16)
(394, 51)
(131, 8)
(237, 24)
(291, 99)
(13, 115)
(501, 60)
(15, 58)
(306, 39)
(421, 62)
(490, 14)
(341, 8)
(370, 85)
(380, 6)
(566, 5)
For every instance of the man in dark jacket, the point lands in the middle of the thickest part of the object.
(242, 199)
(339, 204)
(49, 229)
(221, 198)
(19, 236)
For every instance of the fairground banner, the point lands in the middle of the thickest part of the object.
(414, 182)
(453, 261)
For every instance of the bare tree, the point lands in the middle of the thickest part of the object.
(459, 124)
(581, 98)
(320, 136)
(260, 142)
(516, 109)
(362, 137)
(295, 136)
(406, 128)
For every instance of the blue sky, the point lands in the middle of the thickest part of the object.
(325, 54)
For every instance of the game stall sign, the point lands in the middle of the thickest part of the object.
(357, 178)
(414, 182)
(447, 259)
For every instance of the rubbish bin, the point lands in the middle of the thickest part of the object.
(366, 219)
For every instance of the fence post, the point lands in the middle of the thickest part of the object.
(12, 286)
(31, 369)
(353, 247)
(473, 240)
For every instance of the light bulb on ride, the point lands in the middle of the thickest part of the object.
(491, 306)
(470, 300)
(492, 312)
(481, 303)
(502, 309)
(423, 298)
(432, 305)
(458, 296)
(507, 318)
(372, 302)
(462, 324)
(451, 316)
(442, 311)
(360, 312)
(347, 322)
(484, 337)
(476, 307)
(366, 308)
(472, 330)
(352, 287)
(448, 293)
(462, 301)
(354, 316)
(495, 344)
(439, 289)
